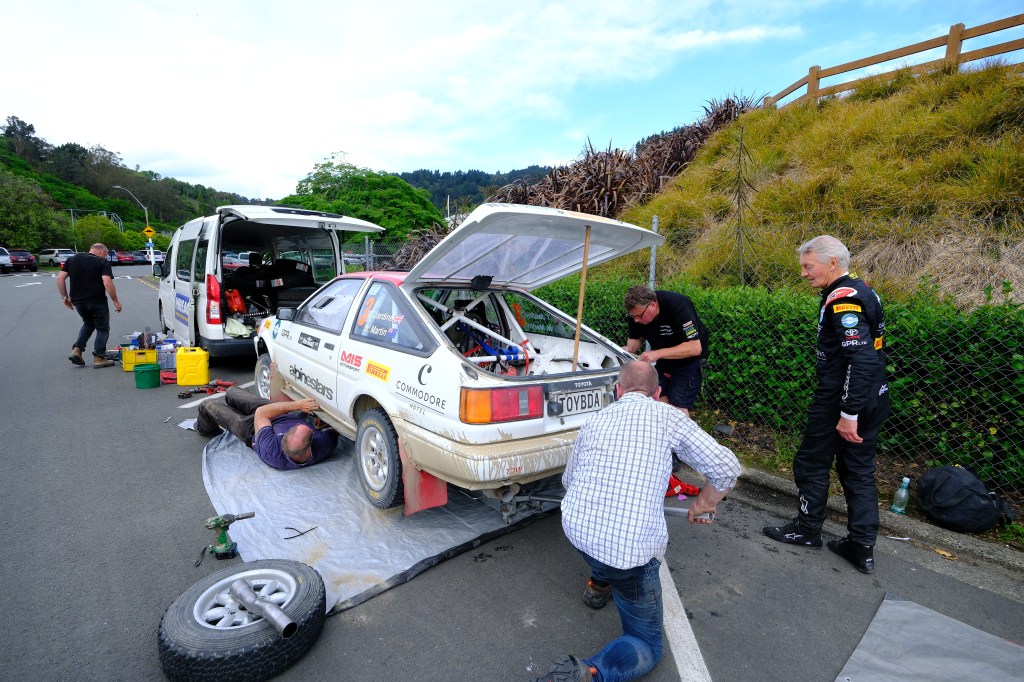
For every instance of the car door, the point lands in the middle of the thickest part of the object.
(309, 347)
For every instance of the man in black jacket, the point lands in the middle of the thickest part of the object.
(850, 403)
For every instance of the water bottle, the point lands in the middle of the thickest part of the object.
(899, 500)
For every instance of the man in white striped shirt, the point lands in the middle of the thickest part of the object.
(613, 513)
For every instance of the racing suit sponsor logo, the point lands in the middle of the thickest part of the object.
(883, 389)
(311, 382)
(852, 333)
(425, 369)
(420, 395)
(350, 360)
(845, 344)
(841, 292)
(878, 343)
(689, 330)
(378, 371)
(849, 320)
(847, 307)
(311, 342)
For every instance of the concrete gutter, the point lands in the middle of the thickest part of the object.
(963, 545)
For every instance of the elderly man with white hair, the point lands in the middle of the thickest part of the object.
(850, 403)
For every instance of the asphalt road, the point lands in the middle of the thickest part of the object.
(103, 507)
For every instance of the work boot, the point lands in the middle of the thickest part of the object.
(76, 356)
(568, 669)
(861, 556)
(101, 361)
(792, 534)
(595, 595)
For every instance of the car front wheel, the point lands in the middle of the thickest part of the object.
(263, 376)
(380, 467)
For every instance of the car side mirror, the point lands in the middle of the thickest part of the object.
(158, 270)
(286, 314)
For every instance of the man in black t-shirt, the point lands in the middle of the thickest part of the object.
(678, 339)
(91, 282)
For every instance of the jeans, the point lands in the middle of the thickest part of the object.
(235, 413)
(95, 317)
(637, 595)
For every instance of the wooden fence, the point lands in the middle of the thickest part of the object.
(953, 43)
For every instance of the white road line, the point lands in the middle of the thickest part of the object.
(30, 284)
(689, 661)
(212, 395)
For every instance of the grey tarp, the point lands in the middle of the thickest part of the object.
(359, 550)
(907, 642)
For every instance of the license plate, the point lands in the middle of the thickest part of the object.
(579, 402)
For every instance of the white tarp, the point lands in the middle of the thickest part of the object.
(909, 642)
(359, 550)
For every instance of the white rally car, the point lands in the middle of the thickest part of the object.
(453, 372)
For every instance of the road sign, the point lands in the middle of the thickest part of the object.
(149, 231)
(149, 244)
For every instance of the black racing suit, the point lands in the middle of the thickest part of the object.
(851, 383)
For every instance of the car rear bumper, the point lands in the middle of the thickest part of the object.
(483, 466)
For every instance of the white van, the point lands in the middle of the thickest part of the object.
(292, 253)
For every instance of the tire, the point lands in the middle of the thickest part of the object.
(263, 376)
(380, 467)
(33, 268)
(163, 325)
(51, 263)
(193, 647)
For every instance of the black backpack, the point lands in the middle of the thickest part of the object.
(954, 498)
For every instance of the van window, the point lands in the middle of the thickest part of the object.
(183, 264)
(204, 246)
(329, 309)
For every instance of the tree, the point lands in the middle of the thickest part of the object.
(338, 187)
(23, 138)
(97, 228)
(27, 218)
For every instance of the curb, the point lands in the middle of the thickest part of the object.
(960, 544)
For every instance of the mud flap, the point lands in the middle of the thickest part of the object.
(422, 490)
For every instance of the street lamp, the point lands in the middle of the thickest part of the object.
(152, 256)
(145, 210)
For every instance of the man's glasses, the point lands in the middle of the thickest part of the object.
(636, 318)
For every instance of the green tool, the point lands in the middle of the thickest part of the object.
(223, 547)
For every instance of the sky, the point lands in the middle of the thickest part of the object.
(247, 96)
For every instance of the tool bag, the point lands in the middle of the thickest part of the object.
(954, 498)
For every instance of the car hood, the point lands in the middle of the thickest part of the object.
(526, 246)
(298, 217)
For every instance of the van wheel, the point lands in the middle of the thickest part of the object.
(380, 467)
(163, 325)
(263, 376)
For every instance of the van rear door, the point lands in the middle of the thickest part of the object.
(302, 218)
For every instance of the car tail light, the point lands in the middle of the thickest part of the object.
(490, 405)
(213, 300)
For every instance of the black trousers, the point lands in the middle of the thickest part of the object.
(855, 465)
(234, 413)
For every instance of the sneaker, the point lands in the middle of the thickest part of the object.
(861, 556)
(76, 356)
(792, 535)
(568, 669)
(596, 596)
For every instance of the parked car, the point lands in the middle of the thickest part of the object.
(112, 257)
(230, 263)
(483, 384)
(5, 260)
(158, 256)
(23, 260)
(54, 257)
(125, 258)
